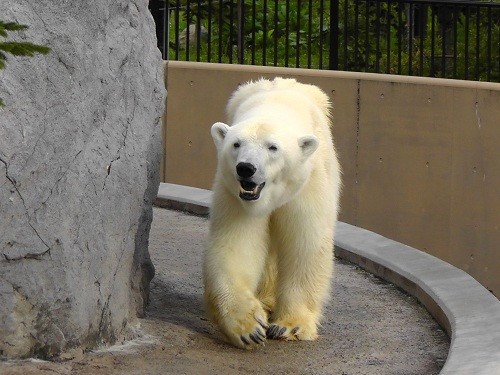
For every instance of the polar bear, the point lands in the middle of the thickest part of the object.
(269, 261)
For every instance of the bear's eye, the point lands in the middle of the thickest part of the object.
(236, 144)
(273, 148)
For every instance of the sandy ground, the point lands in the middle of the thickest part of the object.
(370, 327)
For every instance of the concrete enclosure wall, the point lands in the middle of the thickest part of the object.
(421, 157)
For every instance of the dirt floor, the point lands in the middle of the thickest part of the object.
(370, 327)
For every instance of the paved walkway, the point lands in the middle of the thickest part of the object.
(469, 312)
(370, 327)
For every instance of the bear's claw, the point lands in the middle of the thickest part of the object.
(277, 332)
(264, 325)
(257, 337)
(245, 326)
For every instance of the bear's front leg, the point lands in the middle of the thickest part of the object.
(304, 241)
(240, 317)
(232, 267)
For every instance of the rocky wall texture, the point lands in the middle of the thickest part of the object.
(80, 147)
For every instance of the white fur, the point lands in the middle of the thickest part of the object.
(270, 261)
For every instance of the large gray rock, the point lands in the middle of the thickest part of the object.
(79, 158)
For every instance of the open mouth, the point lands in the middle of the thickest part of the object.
(250, 191)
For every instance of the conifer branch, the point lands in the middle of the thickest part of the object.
(16, 48)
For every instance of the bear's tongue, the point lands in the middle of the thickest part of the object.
(250, 190)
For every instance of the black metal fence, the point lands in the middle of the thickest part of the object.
(433, 38)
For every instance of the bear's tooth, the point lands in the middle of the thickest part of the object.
(243, 191)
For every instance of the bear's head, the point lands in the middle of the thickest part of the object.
(264, 161)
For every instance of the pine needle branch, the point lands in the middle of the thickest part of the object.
(16, 48)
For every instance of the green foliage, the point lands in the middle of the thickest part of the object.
(452, 42)
(16, 48)
(279, 34)
(10, 26)
(296, 33)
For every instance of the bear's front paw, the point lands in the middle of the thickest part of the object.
(246, 328)
(292, 330)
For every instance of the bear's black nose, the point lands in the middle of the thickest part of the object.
(245, 170)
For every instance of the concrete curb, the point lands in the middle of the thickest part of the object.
(465, 309)
(184, 198)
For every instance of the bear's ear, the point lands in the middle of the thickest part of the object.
(219, 131)
(308, 144)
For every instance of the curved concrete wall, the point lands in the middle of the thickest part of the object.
(421, 157)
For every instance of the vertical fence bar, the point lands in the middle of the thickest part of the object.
(466, 42)
(377, 40)
(209, 31)
(478, 39)
(176, 36)
(334, 30)
(356, 34)
(166, 31)
(455, 41)
(230, 46)
(443, 42)
(388, 37)
(185, 33)
(321, 19)
(287, 31)
(422, 27)
(400, 33)
(275, 33)
(198, 30)
(264, 34)
(411, 14)
(241, 32)
(297, 40)
(309, 34)
(220, 29)
(488, 44)
(188, 22)
(433, 40)
(367, 36)
(346, 37)
(254, 11)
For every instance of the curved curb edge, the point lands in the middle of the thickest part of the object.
(463, 307)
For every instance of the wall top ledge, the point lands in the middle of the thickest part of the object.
(277, 71)
(469, 311)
